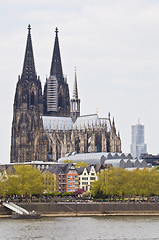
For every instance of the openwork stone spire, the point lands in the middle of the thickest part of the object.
(75, 102)
(29, 72)
(75, 89)
(56, 96)
(56, 66)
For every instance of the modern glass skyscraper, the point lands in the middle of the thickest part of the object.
(137, 141)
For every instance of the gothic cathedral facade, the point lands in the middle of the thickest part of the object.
(48, 126)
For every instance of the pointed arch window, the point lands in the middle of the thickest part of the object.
(32, 99)
(60, 100)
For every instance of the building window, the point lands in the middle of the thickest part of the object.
(84, 183)
(85, 178)
(70, 176)
(92, 178)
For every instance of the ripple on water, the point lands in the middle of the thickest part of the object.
(85, 228)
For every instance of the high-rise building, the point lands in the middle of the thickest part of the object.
(48, 126)
(137, 146)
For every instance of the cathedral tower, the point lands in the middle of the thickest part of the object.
(56, 91)
(75, 102)
(28, 141)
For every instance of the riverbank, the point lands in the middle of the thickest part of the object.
(101, 214)
(66, 209)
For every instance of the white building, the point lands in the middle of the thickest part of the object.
(87, 176)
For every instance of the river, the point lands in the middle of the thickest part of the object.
(81, 228)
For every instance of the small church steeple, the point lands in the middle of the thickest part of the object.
(75, 90)
(75, 102)
(29, 72)
(113, 125)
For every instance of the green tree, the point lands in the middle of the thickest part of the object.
(3, 179)
(95, 191)
(67, 161)
(49, 182)
(26, 180)
(130, 186)
(147, 183)
(122, 183)
(113, 182)
(81, 164)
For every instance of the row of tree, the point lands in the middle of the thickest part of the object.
(121, 183)
(26, 180)
(112, 183)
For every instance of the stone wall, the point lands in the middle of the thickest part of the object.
(87, 208)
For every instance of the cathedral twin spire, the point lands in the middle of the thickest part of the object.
(56, 66)
(56, 99)
(29, 72)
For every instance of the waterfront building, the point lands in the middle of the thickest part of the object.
(47, 126)
(137, 146)
(66, 177)
(87, 175)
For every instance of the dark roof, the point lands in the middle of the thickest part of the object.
(98, 167)
(88, 169)
(80, 170)
(60, 168)
(65, 167)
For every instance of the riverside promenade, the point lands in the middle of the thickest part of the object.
(52, 209)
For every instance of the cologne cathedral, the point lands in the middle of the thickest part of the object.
(47, 126)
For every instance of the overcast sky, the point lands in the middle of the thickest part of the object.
(114, 45)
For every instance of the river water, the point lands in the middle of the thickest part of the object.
(81, 228)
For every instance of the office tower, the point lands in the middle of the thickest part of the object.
(137, 140)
